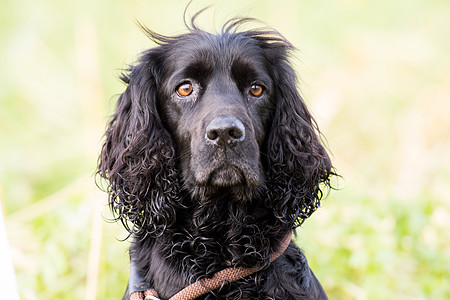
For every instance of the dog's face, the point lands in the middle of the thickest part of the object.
(216, 103)
(207, 117)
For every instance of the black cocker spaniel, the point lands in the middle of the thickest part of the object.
(212, 159)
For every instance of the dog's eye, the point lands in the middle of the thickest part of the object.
(256, 90)
(185, 89)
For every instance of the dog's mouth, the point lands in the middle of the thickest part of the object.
(216, 168)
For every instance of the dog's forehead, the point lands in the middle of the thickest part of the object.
(219, 50)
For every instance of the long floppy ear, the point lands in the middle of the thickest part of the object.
(299, 166)
(138, 156)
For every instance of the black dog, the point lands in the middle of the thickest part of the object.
(212, 159)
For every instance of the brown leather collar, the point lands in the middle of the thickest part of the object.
(206, 285)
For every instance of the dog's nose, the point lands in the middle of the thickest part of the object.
(225, 132)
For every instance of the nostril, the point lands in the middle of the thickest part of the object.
(235, 133)
(212, 134)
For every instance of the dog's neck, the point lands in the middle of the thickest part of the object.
(206, 239)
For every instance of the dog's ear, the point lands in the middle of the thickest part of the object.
(299, 165)
(138, 156)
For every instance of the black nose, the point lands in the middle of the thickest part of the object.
(225, 132)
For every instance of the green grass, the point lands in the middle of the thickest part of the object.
(374, 74)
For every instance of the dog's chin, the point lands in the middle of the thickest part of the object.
(227, 176)
(225, 181)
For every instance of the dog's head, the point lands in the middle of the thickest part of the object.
(209, 116)
(217, 101)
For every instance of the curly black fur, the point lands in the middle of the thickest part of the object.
(192, 208)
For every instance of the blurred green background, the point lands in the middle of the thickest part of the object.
(375, 74)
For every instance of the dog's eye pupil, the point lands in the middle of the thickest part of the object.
(185, 89)
(256, 90)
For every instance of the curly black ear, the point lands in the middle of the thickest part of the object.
(299, 165)
(138, 156)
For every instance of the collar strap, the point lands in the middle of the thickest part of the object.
(207, 285)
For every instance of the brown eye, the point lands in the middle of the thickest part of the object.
(256, 90)
(185, 89)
